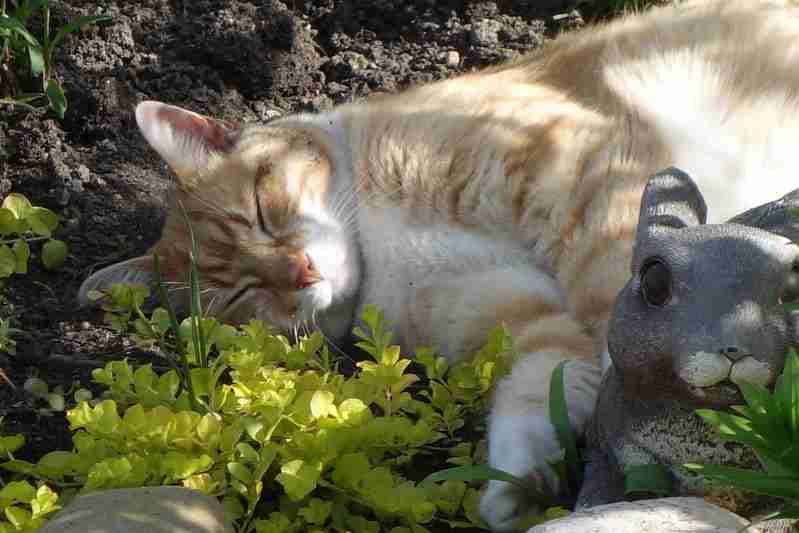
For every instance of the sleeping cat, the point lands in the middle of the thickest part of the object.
(507, 195)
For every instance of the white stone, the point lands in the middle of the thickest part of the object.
(141, 510)
(453, 58)
(662, 515)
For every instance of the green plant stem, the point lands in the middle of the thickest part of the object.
(11, 101)
(46, 76)
(27, 239)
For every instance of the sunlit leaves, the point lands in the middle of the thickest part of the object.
(284, 440)
(298, 478)
(21, 223)
(25, 507)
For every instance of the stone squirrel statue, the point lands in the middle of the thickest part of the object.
(704, 309)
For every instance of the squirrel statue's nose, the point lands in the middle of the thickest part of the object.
(734, 353)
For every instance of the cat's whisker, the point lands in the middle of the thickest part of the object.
(328, 340)
(206, 203)
(344, 202)
(209, 308)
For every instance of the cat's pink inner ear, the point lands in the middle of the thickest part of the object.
(186, 140)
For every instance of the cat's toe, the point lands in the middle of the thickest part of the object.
(502, 505)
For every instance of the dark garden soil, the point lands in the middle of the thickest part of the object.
(243, 60)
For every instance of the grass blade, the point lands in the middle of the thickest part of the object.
(486, 473)
(36, 60)
(791, 407)
(196, 305)
(14, 25)
(163, 297)
(473, 473)
(559, 416)
(732, 427)
(786, 487)
(11, 101)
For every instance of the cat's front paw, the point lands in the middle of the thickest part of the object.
(521, 446)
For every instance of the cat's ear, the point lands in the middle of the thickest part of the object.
(671, 201)
(186, 140)
(137, 270)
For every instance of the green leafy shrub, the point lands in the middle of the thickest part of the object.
(25, 506)
(21, 51)
(285, 440)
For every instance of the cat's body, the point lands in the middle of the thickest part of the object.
(508, 195)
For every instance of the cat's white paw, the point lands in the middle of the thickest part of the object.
(522, 440)
(520, 445)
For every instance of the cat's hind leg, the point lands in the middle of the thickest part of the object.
(455, 315)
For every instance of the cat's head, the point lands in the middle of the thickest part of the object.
(705, 308)
(268, 209)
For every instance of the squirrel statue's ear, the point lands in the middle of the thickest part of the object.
(671, 201)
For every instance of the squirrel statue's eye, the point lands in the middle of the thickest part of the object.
(790, 291)
(656, 283)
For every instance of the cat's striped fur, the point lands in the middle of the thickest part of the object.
(509, 195)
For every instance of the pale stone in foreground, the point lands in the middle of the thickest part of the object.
(141, 510)
(663, 515)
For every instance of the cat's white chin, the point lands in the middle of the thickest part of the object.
(314, 300)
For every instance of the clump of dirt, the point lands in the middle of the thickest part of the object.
(243, 60)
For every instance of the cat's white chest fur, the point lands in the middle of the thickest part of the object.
(406, 256)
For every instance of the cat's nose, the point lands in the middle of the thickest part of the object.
(735, 353)
(307, 274)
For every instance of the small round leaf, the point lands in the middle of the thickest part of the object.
(42, 221)
(54, 253)
(17, 204)
(56, 401)
(8, 222)
(36, 387)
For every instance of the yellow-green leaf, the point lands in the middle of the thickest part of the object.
(322, 404)
(11, 443)
(298, 479)
(17, 204)
(8, 222)
(42, 221)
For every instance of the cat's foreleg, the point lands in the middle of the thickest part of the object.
(521, 437)
(455, 314)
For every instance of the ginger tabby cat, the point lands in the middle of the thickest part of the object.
(510, 194)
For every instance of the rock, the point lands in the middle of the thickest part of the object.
(485, 32)
(453, 59)
(663, 515)
(142, 510)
